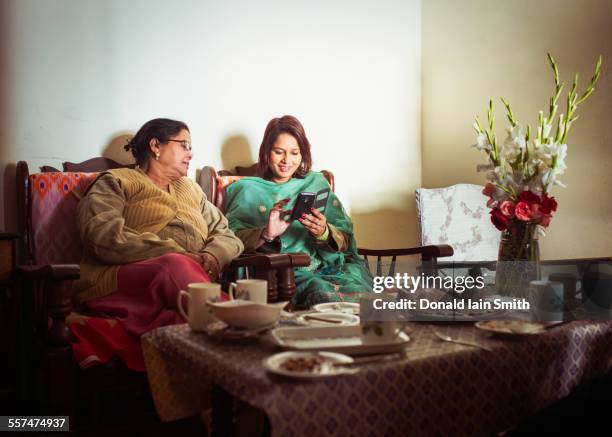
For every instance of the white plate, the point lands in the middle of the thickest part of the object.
(344, 319)
(274, 364)
(343, 307)
(511, 328)
(341, 339)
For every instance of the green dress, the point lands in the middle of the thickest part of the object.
(332, 276)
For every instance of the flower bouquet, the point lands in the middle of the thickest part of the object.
(522, 171)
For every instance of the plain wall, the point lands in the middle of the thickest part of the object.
(80, 76)
(478, 49)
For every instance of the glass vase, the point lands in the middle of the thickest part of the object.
(518, 260)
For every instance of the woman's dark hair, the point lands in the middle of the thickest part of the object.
(161, 128)
(289, 125)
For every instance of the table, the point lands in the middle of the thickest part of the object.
(439, 388)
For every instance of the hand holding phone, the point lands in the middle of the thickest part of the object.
(303, 204)
(315, 223)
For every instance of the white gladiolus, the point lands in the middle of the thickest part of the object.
(514, 144)
(482, 143)
(516, 137)
(530, 159)
(560, 151)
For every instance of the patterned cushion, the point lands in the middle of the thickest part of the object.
(54, 197)
(458, 216)
(222, 183)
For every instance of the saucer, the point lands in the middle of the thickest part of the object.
(308, 365)
(511, 328)
(222, 331)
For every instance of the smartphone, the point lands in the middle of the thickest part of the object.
(303, 204)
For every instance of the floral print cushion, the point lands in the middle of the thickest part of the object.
(458, 216)
(222, 183)
(54, 198)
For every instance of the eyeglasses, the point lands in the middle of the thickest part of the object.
(184, 144)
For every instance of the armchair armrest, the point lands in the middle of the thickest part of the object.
(276, 268)
(272, 260)
(49, 271)
(426, 252)
(429, 256)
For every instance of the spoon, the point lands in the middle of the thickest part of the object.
(322, 319)
(462, 342)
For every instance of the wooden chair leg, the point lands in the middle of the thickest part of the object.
(286, 279)
(270, 276)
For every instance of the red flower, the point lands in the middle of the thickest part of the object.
(535, 211)
(500, 221)
(549, 204)
(507, 208)
(522, 211)
(545, 221)
(529, 198)
(489, 189)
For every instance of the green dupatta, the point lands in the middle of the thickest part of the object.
(331, 276)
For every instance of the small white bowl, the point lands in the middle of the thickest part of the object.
(245, 314)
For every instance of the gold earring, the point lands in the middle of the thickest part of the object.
(157, 156)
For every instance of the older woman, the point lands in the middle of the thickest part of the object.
(254, 207)
(149, 232)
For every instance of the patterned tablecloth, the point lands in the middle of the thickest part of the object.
(439, 388)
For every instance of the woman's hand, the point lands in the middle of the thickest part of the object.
(315, 223)
(208, 262)
(211, 266)
(276, 226)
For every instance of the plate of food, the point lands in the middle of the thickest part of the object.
(309, 365)
(343, 307)
(328, 318)
(511, 327)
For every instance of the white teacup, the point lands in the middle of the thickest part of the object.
(198, 314)
(380, 331)
(546, 300)
(254, 290)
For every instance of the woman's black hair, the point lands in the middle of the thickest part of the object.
(290, 125)
(162, 129)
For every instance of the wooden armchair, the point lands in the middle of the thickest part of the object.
(213, 182)
(49, 252)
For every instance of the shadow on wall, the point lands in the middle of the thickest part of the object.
(372, 228)
(115, 148)
(236, 151)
